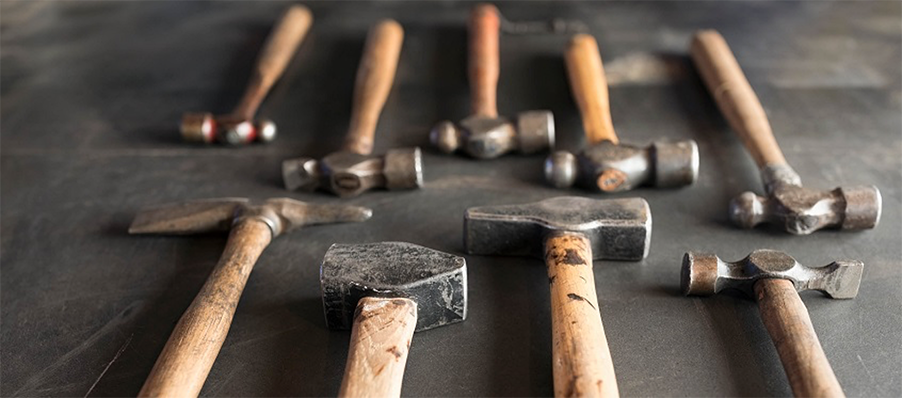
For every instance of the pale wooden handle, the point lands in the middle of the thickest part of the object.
(380, 340)
(786, 319)
(590, 88)
(484, 63)
(374, 80)
(182, 367)
(581, 359)
(735, 97)
(279, 47)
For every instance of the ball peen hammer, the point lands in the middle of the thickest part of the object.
(606, 165)
(239, 126)
(188, 356)
(801, 211)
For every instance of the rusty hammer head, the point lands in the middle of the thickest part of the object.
(226, 129)
(484, 137)
(436, 281)
(705, 274)
(348, 174)
(619, 229)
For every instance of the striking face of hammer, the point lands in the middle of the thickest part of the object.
(194, 344)
(383, 292)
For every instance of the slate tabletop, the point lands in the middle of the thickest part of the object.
(92, 93)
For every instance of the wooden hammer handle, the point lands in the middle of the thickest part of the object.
(786, 319)
(590, 88)
(182, 367)
(380, 339)
(484, 63)
(735, 97)
(271, 62)
(374, 81)
(581, 359)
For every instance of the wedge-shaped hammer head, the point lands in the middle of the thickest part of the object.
(349, 174)
(619, 229)
(436, 281)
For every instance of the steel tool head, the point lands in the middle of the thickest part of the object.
(203, 127)
(436, 281)
(487, 138)
(620, 229)
(349, 174)
(705, 274)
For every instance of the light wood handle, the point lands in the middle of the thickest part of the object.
(374, 80)
(786, 319)
(279, 47)
(581, 359)
(484, 63)
(735, 97)
(590, 88)
(380, 339)
(182, 367)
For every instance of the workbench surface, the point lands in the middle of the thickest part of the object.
(92, 93)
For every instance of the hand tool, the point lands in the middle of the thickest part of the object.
(606, 165)
(800, 210)
(383, 292)
(352, 170)
(774, 278)
(239, 127)
(186, 359)
(485, 135)
(569, 232)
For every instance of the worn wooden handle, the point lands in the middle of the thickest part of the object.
(484, 63)
(182, 367)
(374, 80)
(590, 88)
(582, 361)
(735, 97)
(380, 339)
(786, 319)
(279, 47)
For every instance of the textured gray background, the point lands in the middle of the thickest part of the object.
(92, 93)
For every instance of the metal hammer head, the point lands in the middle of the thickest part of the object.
(349, 174)
(610, 167)
(619, 229)
(436, 281)
(203, 127)
(705, 274)
(487, 138)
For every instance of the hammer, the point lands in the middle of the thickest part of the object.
(189, 354)
(800, 210)
(384, 292)
(774, 278)
(485, 135)
(352, 170)
(573, 231)
(606, 165)
(239, 127)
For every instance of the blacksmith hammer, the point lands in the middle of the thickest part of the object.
(352, 170)
(239, 126)
(485, 135)
(384, 292)
(606, 165)
(775, 279)
(182, 367)
(801, 211)
(569, 232)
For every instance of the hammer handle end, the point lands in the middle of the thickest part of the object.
(484, 63)
(590, 88)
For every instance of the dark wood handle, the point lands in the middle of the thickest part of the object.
(590, 88)
(182, 367)
(581, 359)
(735, 97)
(786, 319)
(484, 69)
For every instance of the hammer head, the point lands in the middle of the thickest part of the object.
(436, 281)
(619, 229)
(705, 274)
(349, 174)
(609, 167)
(230, 130)
(487, 138)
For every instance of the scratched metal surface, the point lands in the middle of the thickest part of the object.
(92, 92)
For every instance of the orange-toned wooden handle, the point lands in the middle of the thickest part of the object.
(735, 97)
(786, 319)
(375, 76)
(590, 88)
(484, 63)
